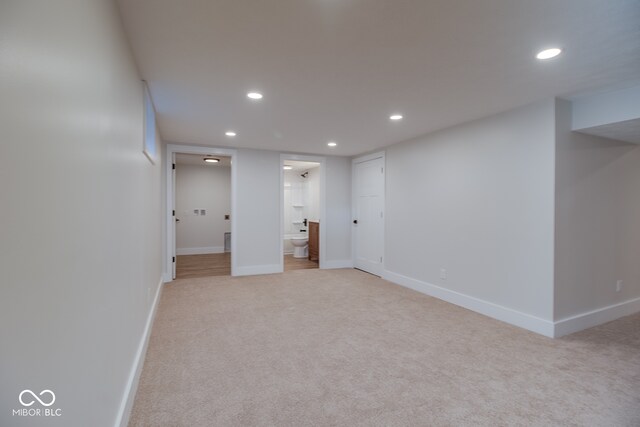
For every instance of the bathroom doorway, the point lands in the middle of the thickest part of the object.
(302, 207)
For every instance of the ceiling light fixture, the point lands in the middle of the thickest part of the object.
(254, 95)
(230, 133)
(287, 168)
(549, 53)
(395, 117)
(332, 144)
(211, 160)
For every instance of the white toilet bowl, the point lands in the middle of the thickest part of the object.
(300, 246)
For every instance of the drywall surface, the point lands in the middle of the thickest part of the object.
(605, 108)
(338, 212)
(258, 212)
(313, 186)
(597, 220)
(203, 198)
(477, 200)
(297, 199)
(80, 232)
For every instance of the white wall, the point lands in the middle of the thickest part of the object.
(338, 207)
(597, 220)
(296, 191)
(478, 200)
(205, 187)
(313, 185)
(605, 108)
(258, 212)
(80, 233)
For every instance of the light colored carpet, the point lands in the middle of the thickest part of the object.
(344, 348)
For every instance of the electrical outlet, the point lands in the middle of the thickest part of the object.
(443, 273)
(619, 285)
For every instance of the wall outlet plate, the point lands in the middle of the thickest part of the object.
(619, 285)
(443, 273)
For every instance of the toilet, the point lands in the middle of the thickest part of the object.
(300, 247)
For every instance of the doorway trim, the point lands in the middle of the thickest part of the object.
(354, 204)
(323, 208)
(172, 150)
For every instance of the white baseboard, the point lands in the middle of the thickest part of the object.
(505, 314)
(597, 317)
(167, 277)
(253, 270)
(136, 369)
(341, 263)
(200, 251)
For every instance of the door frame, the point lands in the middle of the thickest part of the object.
(354, 203)
(172, 150)
(323, 208)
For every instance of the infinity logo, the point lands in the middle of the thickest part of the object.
(53, 398)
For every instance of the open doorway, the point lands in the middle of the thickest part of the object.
(302, 207)
(203, 215)
(200, 202)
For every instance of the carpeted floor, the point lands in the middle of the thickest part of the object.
(344, 348)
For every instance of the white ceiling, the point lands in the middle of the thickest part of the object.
(336, 69)
(627, 131)
(299, 166)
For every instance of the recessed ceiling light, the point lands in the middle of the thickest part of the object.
(230, 133)
(549, 53)
(395, 117)
(254, 95)
(211, 160)
(287, 168)
(332, 144)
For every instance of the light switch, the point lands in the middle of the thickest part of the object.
(203, 211)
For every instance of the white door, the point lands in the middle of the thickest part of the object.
(173, 210)
(368, 219)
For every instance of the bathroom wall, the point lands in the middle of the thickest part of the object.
(313, 187)
(304, 191)
(296, 201)
(301, 200)
(200, 187)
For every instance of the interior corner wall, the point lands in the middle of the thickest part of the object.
(597, 220)
(202, 187)
(80, 230)
(477, 200)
